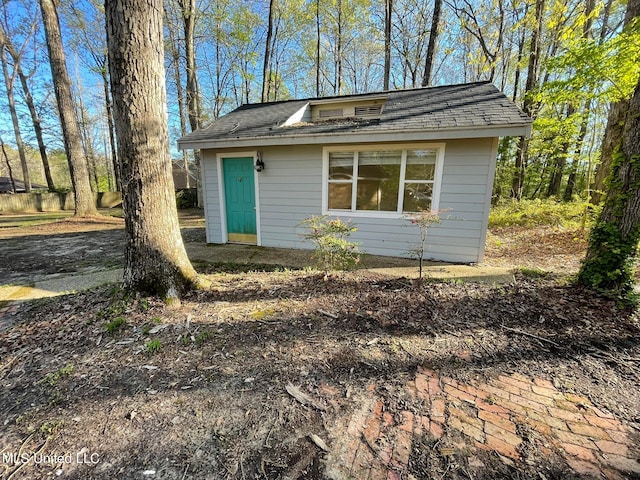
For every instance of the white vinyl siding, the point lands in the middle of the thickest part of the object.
(211, 196)
(291, 190)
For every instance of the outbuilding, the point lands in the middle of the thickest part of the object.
(372, 159)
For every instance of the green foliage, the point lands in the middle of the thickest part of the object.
(537, 212)
(606, 70)
(114, 325)
(333, 251)
(153, 346)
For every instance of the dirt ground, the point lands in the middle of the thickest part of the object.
(256, 377)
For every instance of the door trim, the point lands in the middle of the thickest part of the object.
(221, 194)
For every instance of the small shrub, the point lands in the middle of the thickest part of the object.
(423, 220)
(333, 251)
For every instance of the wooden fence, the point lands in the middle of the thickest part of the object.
(51, 202)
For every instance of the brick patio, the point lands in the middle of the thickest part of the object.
(375, 443)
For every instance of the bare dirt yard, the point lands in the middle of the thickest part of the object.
(278, 374)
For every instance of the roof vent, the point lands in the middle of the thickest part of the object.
(368, 110)
(330, 113)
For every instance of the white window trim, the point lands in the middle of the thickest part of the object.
(437, 181)
(221, 192)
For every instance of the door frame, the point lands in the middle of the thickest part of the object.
(221, 191)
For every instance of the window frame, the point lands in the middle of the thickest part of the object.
(403, 148)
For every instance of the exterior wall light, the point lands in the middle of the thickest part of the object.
(259, 163)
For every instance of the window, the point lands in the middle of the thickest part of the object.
(370, 179)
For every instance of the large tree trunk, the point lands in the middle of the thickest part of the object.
(155, 258)
(84, 202)
(613, 243)
(615, 121)
(431, 46)
(35, 119)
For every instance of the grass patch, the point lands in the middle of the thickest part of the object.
(114, 325)
(153, 346)
(537, 212)
(534, 273)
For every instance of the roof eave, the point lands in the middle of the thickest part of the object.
(511, 130)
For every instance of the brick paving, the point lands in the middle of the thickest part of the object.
(375, 443)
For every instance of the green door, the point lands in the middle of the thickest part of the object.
(240, 199)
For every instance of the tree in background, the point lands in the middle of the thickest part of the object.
(84, 202)
(16, 56)
(155, 258)
(87, 39)
(9, 81)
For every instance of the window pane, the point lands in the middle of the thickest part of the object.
(378, 180)
(421, 165)
(417, 197)
(340, 196)
(340, 165)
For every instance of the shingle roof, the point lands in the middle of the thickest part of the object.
(430, 109)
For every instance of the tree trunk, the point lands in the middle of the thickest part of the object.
(338, 82)
(84, 202)
(6, 160)
(35, 119)
(192, 90)
(517, 182)
(317, 48)
(8, 79)
(387, 43)
(112, 138)
(431, 46)
(155, 258)
(266, 77)
(613, 243)
(175, 55)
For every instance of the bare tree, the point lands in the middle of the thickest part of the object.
(84, 202)
(35, 118)
(529, 104)
(155, 258)
(266, 73)
(433, 40)
(177, 77)
(9, 81)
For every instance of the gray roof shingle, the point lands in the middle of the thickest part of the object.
(428, 109)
